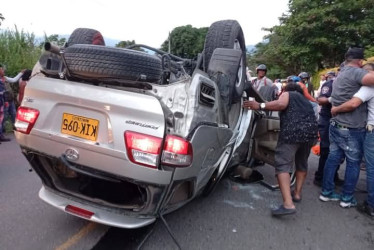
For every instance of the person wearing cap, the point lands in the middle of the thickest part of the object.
(323, 79)
(263, 84)
(365, 94)
(323, 129)
(347, 130)
(305, 79)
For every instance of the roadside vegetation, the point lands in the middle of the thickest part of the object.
(312, 36)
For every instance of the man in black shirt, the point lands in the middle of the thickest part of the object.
(298, 133)
(323, 128)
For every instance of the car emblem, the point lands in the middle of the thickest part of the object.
(72, 154)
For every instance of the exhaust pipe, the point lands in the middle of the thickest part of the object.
(52, 48)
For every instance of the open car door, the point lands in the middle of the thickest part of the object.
(266, 137)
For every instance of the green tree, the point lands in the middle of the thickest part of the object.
(55, 39)
(125, 44)
(185, 41)
(315, 34)
(1, 18)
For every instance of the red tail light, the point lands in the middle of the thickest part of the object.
(79, 211)
(143, 149)
(146, 150)
(177, 152)
(25, 120)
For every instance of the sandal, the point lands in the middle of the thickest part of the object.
(294, 199)
(281, 210)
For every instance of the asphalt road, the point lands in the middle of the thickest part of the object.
(235, 216)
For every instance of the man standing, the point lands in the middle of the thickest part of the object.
(365, 94)
(305, 78)
(2, 105)
(323, 128)
(9, 97)
(347, 130)
(263, 84)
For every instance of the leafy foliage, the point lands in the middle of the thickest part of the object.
(1, 18)
(55, 39)
(185, 41)
(315, 34)
(18, 51)
(125, 44)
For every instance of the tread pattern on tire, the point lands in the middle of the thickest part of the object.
(86, 36)
(220, 36)
(108, 62)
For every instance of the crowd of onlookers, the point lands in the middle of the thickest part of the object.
(8, 100)
(340, 113)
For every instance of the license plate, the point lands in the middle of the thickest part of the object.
(80, 126)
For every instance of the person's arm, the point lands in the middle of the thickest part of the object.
(325, 97)
(368, 79)
(322, 100)
(347, 106)
(276, 105)
(306, 92)
(14, 79)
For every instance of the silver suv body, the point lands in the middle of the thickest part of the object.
(122, 148)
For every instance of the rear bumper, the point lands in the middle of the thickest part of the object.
(100, 215)
(114, 200)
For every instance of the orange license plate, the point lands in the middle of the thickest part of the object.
(80, 126)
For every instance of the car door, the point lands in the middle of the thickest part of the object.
(265, 137)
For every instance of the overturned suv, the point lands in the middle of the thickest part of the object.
(122, 136)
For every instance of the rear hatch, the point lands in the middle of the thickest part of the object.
(87, 124)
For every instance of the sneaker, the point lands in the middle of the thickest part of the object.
(329, 196)
(3, 138)
(348, 201)
(366, 209)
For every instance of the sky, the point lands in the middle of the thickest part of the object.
(145, 21)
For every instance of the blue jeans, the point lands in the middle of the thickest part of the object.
(369, 157)
(348, 143)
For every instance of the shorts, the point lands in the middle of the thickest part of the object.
(288, 155)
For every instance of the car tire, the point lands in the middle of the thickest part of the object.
(227, 34)
(100, 62)
(86, 36)
(51, 63)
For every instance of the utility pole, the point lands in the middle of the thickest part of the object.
(169, 50)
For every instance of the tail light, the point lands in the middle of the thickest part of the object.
(177, 152)
(146, 150)
(79, 211)
(143, 149)
(25, 120)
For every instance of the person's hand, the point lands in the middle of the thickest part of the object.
(251, 105)
(333, 111)
(6, 104)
